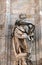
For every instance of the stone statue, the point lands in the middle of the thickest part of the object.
(22, 31)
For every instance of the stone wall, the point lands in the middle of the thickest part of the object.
(9, 12)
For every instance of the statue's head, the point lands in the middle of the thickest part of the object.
(22, 16)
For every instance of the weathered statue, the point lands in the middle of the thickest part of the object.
(22, 31)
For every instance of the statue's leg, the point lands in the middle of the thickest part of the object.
(23, 61)
(15, 62)
(26, 50)
(17, 45)
(25, 45)
(20, 62)
(18, 50)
